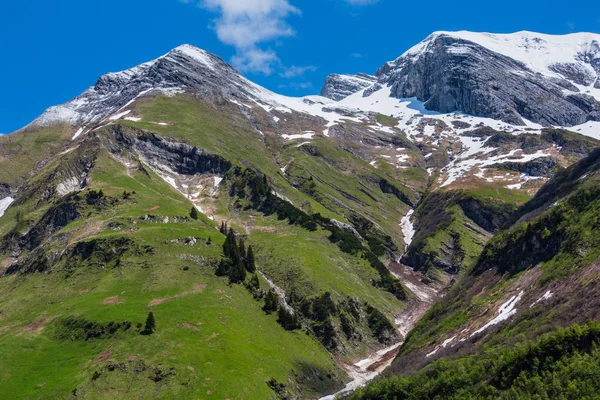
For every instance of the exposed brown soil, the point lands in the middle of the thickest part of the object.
(112, 300)
(35, 325)
(198, 288)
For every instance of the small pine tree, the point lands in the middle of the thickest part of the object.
(194, 213)
(242, 248)
(249, 260)
(287, 320)
(209, 241)
(150, 325)
(271, 302)
(223, 228)
(237, 274)
(223, 268)
(254, 282)
(230, 248)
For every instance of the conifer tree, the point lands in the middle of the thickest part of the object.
(237, 273)
(224, 268)
(194, 213)
(249, 260)
(150, 325)
(271, 302)
(230, 248)
(254, 282)
(242, 250)
(287, 320)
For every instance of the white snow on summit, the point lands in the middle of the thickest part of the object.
(538, 51)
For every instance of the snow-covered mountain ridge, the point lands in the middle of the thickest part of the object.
(516, 83)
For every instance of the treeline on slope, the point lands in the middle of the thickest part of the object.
(560, 365)
(249, 185)
(318, 314)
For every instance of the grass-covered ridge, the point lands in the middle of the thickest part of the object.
(85, 268)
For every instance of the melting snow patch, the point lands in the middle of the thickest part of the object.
(134, 119)
(546, 296)
(442, 346)
(4, 204)
(119, 115)
(306, 135)
(514, 186)
(408, 229)
(505, 311)
(76, 135)
(218, 180)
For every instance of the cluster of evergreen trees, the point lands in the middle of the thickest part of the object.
(559, 365)
(288, 320)
(254, 187)
(238, 260)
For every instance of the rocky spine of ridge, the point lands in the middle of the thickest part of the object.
(184, 69)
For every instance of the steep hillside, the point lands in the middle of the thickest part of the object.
(537, 275)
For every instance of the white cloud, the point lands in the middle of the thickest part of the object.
(247, 24)
(294, 71)
(357, 55)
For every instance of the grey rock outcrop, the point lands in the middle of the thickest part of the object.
(454, 74)
(338, 87)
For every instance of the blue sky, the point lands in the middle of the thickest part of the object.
(53, 50)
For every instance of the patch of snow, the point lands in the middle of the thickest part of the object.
(134, 119)
(119, 115)
(408, 229)
(546, 296)
(4, 204)
(197, 54)
(505, 311)
(362, 372)
(76, 135)
(308, 135)
(442, 346)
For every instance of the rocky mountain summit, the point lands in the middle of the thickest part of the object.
(184, 69)
(550, 80)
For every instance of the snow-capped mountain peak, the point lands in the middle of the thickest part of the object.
(183, 68)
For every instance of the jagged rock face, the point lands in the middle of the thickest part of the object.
(338, 87)
(451, 74)
(184, 69)
(160, 153)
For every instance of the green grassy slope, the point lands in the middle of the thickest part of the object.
(84, 269)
